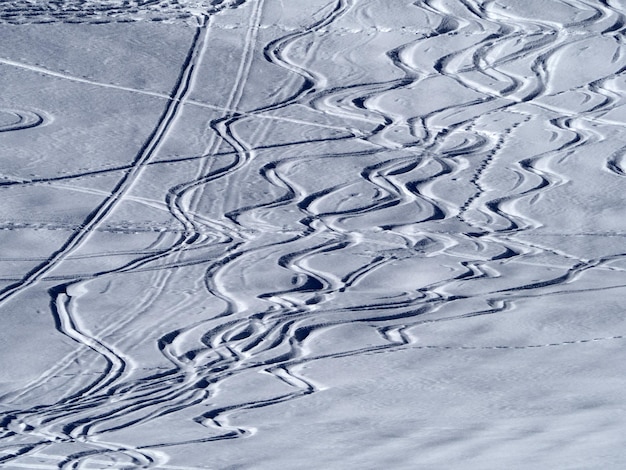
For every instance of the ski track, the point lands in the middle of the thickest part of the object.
(385, 198)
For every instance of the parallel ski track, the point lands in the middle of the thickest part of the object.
(65, 323)
(290, 333)
(125, 183)
(276, 339)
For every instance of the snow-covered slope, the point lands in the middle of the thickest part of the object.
(349, 234)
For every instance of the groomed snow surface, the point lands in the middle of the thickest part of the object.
(312, 234)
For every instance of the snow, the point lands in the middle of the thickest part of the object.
(312, 234)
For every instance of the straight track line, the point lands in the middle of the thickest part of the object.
(144, 156)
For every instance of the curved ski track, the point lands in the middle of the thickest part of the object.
(339, 214)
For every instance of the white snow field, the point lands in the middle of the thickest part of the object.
(313, 234)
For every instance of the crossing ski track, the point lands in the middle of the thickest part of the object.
(398, 190)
